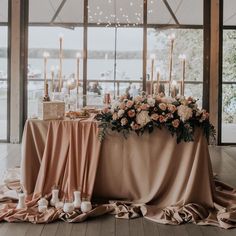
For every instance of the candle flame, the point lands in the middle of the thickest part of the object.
(61, 36)
(171, 36)
(46, 54)
(174, 83)
(153, 56)
(182, 57)
(78, 55)
(52, 68)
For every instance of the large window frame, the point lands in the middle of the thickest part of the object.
(222, 27)
(206, 55)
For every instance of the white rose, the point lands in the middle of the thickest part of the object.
(121, 113)
(115, 105)
(143, 118)
(151, 102)
(184, 112)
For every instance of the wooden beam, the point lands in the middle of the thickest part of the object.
(58, 10)
(144, 43)
(85, 52)
(220, 68)
(171, 11)
(206, 53)
(214, 100)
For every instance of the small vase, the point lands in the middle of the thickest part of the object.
(86, 206)
(68, 207)
(55, 197)
(42, 208)
(43, 202)
(21, 203)
(59, 205)
(77, 199)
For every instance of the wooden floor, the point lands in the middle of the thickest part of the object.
(224, 165)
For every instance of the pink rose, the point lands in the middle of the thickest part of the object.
(172, 108)
(122, 106)
(144, 106)
(131, 113)
(155, 116)
(115, 116)
(162, 106)
(205, 115)
(135, 126)
(175, 123)
(129, 104)
(162, 119)
(106, 110)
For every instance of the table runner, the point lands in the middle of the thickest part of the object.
(171, 183)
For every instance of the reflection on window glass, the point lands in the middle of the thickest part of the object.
(3, 70)
(72, 41)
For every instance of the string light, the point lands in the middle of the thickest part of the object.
(125, 17)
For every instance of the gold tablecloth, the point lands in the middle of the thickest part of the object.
(171, 183)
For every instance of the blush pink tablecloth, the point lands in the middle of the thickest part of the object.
(172, 182)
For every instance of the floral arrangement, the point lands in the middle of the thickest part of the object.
(179, 115)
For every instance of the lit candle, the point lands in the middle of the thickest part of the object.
(60, 61)
(182, 57)
(68, 207)
(45, 56)
(86, 206)
(158, 80)
(172, 39)
(69, 85)
(52, 76)
(152, 56)
(21, 202)
(78, 56)
(42, 208)
(173, 88)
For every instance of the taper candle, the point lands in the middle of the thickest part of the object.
(173, 89)
(60, 61)
(45, 56)
(158, 80)
(78, 56)
(182, 57)
(152, 70)
(52, 77)
(172, 39)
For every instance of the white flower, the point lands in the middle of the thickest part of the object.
(123, 121)
(184, 112)
(151, 102)
(143, 118)
(121, 113)
(115, 105)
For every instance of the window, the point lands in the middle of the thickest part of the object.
(3, 68)
(228, 110)
(168, 18)
(188, 42)
(115, 44)
(46, 29)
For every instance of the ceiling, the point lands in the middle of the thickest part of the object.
(130, 12)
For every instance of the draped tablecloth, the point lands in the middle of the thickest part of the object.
(150, 175)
